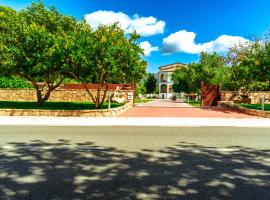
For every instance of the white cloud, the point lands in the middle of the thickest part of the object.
(145, 26)
(148, 48)
(184, 41)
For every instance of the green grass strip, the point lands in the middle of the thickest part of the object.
(256, 106)
(142, 100)
(53, 105)
(194, 103)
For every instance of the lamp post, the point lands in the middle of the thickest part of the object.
(109, 100)
(262, 102)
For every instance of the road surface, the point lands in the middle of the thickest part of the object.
(205, 163)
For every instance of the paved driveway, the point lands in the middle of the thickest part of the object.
(76, 163)
(167, 108)
(165, 103)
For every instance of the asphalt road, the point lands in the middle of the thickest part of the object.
(134, 163)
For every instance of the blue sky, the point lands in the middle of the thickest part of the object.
(173, 30)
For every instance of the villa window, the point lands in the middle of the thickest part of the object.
(163, 78)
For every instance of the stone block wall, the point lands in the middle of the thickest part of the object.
(258, 113)
(61, 95)
(67, 113)
(253, 97)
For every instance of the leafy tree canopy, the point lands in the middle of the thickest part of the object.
(210, 69)
(106, 56)
(251, 65)
(150, 83)
(33, 46)
(44, 47)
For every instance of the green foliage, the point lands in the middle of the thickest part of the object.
(248, 66)
(211, 69)
(137, 100)
(140, 89)
(118, 58)
(70, 81)
(33, 46)
(13, 82)
(184, 79)
(150, 84)
(44, 47)
(106, 55)
(251, 66)
(194, 103)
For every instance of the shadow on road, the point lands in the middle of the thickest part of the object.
(39, 170)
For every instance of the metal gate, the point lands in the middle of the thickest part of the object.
(210, 94)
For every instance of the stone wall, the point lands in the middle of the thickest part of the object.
(67, 113)
(253, 97)
(259, 113)
(60, 95)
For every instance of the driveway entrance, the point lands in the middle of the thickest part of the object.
(165, 103)
(168, 108)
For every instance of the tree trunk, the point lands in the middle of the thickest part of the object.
(91, 95)
(98, 101)
(97, 105)
(104, 95)
(41, 99)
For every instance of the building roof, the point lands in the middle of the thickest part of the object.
(171, 67)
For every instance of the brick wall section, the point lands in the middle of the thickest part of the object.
(61, 95)
(67, 113)
(253, 96)
(259, 113)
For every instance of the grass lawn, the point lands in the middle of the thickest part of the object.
(142, 100)
(53, 105)
(256, 106)
(194, 103)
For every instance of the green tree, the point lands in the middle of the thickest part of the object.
(185, 80)
(140, 89)
(211, 69)
(9, 22)
(150, 83)
(106, 56)
(251, 65)
(33, 46)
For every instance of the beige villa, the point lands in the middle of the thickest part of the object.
(165, 80)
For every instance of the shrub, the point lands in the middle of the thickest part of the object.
(13, 82)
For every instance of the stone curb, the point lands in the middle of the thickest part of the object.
(67, 113)
(230, 104)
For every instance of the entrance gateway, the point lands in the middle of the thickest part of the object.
(210, 94)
